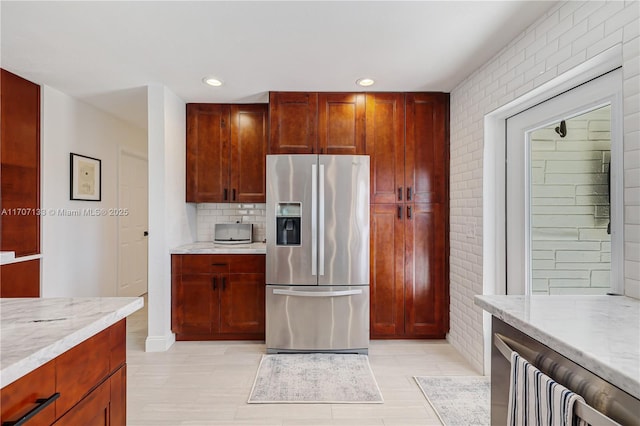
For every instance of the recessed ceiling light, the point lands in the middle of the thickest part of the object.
(211, 81)
(365, 82)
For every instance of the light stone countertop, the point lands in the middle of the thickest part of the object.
(36, 330)
(207, 247)
(600, 333)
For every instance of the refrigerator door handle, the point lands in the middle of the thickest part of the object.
(300, 293)
(321, 221)
(314, 219)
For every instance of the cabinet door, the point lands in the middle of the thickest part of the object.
(425, 255)
(385, 145)
(196, 309)
(208, 151)
(248, 152)
(93, 410)
(118, 406)
(242, 304)
(341, 119)
(427, 147)
(293, 122)
(387, 270)
(21, 279)
(20, 160)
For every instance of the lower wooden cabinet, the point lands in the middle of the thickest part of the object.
(409, 290)
(20, 279)
(85, 385)
(217, 297)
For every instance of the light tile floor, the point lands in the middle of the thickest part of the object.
(208, 383)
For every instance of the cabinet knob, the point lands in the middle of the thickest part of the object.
(409, 212)
(214, 282)
(399, 193)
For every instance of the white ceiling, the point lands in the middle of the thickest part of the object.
(105, 53)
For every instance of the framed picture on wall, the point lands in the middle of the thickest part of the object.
(86, 178)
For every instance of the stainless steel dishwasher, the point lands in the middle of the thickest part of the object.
(606, 405)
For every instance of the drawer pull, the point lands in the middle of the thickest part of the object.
(42, 404)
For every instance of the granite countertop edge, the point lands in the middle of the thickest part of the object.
(206, 247)
(31, 361)
(600, 367)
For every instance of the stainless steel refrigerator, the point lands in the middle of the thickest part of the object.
(317, 261)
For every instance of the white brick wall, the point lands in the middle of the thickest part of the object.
(208, 214)
(566, 36)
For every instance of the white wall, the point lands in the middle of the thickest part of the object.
(569, 34)
(80, 252)
(172, 222)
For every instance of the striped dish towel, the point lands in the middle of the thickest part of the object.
(537, 400)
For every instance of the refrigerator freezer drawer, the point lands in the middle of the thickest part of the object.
(317, 319)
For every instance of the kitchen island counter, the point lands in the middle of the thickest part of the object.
(600, 333)
(34, 331)
(207, 247)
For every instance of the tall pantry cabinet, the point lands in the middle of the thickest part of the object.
(20, 182)
(407, 137)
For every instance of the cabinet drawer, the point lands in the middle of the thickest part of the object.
(203, 264)
(81, 368)
(247, 263)
(20, 397)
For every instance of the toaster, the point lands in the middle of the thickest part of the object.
(232, 233)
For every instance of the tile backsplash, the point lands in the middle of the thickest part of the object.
(208, 214)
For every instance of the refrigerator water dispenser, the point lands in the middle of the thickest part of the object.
(288, 224)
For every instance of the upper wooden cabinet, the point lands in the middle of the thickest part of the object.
(249, 125)
(407, 138)
(385, 145)
(317, 123)
(293, 122)
(426, 147)
(20, 165)
(226, 149)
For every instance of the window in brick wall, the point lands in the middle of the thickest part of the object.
(570, 221)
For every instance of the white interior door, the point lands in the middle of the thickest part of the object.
(602, 91)
(132, 224)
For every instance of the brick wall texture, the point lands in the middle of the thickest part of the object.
(567, 35)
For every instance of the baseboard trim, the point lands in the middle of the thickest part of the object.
(159, 343)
